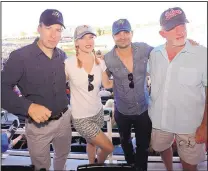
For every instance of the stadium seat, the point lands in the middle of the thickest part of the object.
(4, 114)
(105, 98)
(17, 168)
(105, 167)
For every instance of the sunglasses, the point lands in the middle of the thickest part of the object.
(90, 79)
(131, 78)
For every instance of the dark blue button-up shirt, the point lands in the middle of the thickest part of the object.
(40, 79)
(130, 101)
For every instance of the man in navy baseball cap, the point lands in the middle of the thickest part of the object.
(121, 25)
(172, 18)
(49, 123)
(51, 16)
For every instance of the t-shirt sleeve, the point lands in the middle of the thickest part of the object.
(67, 67)
(204, 70)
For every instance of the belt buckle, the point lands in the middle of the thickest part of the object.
(58, 116)
(64, 111)
(55, 117)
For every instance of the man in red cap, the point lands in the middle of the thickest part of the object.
(178, 107)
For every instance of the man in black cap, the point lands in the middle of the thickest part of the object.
(178, 107)
(38, 71)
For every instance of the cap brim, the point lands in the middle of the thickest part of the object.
(172, 25)
(123, 29)
(84, 33)
(54, 22)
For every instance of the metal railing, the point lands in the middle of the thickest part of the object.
(109, 133)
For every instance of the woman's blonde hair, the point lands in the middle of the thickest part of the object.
(79, 63)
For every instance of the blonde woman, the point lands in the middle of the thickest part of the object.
(85, 73)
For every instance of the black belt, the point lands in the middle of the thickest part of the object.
(56, 117)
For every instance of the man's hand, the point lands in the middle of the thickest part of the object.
(99, 55)
(201, 134)
(194, 43)
(39, 113)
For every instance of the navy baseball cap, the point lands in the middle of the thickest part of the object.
(172, 17)
(121, 25)
(51, 16)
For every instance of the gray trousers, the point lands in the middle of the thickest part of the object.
(39, 137)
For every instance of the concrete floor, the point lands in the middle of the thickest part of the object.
(73, 163)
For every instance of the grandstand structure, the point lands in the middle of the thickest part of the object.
(78, 156)
(19, 155)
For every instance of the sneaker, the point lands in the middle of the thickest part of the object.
(13, 128)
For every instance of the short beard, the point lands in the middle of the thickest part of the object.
(123, 47)
(176, 46)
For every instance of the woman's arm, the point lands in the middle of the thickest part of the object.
(107, 83)
(67, 75)
(66, 71)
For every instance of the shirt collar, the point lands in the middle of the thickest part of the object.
(187, 48)
(37, 51)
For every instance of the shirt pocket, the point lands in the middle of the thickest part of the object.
(140, 65)
(188, 76)
(119, 74)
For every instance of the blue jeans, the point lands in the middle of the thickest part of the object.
(4, 142)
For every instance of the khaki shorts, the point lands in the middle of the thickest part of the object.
(188, 150)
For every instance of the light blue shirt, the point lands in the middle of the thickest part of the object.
(177, 99)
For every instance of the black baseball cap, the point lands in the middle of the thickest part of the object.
(51, 16)
(172, 17)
